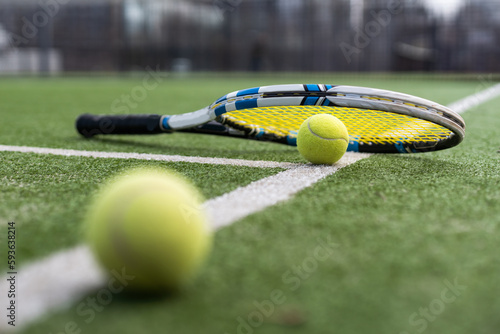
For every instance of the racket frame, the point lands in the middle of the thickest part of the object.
(340, 96)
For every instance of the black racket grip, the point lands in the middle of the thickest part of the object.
(91, 125)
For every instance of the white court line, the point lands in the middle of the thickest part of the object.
(61, 279)
(472, 101)
(51, 283)
(146, 156)
(230, 207)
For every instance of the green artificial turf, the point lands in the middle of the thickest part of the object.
(47, 196)
(393, 231)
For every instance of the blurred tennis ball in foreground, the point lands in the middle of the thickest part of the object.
(149, 224)
(322, 139)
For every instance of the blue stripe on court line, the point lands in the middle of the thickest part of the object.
(246, 104)
(249, 91)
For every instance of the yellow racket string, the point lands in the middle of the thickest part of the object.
(364, 125)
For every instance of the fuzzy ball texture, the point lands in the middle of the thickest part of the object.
(322, 139)
(150, 225)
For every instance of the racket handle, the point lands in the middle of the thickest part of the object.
(91, 125)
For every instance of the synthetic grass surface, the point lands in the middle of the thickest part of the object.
(398, 230)
(47, 196)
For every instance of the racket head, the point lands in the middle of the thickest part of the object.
(378, 121)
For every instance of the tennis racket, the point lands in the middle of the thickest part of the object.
(378, 121)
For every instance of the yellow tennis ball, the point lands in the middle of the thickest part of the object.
(148, 225)
(322, 139)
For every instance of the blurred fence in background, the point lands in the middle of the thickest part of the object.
(247, 35)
